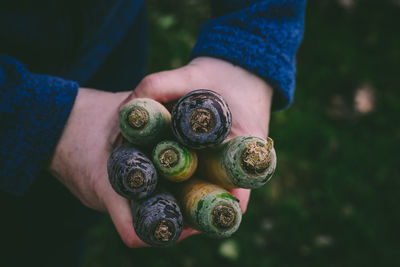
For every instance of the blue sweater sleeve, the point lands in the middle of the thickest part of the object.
(33, 111)
(261, 36)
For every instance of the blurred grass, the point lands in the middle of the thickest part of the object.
(334, 198)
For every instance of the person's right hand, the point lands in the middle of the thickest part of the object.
(80, 158)
(248, 96)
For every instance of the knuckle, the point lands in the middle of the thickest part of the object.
(151, 82)
(88, 204)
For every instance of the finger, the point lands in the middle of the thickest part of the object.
(243, 195)
(239, 129)
(167, 86)
(120, 213)
(187, 232)
(115, 138)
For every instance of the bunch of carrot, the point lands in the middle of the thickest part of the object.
(189, 148)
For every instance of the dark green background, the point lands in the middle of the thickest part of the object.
(334, 200)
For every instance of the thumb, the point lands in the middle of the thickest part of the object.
(166, 86)
(243, 195)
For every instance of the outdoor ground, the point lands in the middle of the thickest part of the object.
(334, 199)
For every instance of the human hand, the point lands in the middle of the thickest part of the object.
(248, 96)
(80, 158)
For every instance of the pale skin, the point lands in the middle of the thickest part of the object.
(91, 133)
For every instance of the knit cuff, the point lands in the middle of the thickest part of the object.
(261, 38)
(34, 111)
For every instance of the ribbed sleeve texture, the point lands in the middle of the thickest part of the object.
(260, 36)
(33, 111)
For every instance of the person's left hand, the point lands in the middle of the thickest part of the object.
(80, 159)
(248, 96)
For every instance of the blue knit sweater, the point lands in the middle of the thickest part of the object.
(72, 43)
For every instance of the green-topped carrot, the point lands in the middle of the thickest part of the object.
(210, 209)
(144, 121)
(174, 161)
(243, 161)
